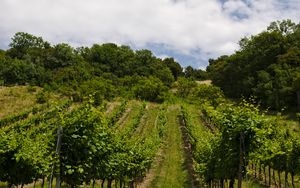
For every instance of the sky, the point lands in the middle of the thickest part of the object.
(191, 31)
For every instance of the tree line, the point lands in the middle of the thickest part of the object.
(266, 66)
(107, 69)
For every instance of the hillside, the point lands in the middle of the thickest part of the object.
(139, 144)
(109, 116)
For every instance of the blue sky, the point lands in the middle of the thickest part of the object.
(191, 31)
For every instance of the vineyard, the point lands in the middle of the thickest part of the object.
(106, 115)
(133, 143)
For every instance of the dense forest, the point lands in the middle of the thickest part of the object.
(109, 116)
(266, 66)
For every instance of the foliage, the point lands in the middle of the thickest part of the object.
(185, 86)
(266, 66)
(42, 97)
(108, 68)
(196, 74)
(207, 93)
(116, 114)
(175, 67)
(85, 138)
(151, 89)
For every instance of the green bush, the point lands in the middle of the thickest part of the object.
(98, 99)
(151, 89)
(102, 88)
(184, 86)
(42, 97)
(204, 92)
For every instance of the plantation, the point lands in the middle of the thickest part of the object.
(109, 116)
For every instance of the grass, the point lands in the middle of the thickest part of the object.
(171, 172)
(3, 184)
(17, 99)
(147, 122)
(207, 82)
(250, 184)
(132, 111)
(111, 106)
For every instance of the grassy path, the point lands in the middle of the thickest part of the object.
(171, 172)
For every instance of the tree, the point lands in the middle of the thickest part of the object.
(285, 26)
(61, 55)
(175, 67)
(265, 66)
(22, 43)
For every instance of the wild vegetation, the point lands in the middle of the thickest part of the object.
(267, 66)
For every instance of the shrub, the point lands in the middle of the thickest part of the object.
(151, 89)
(209, 93)
(185, 86)
(42, 97)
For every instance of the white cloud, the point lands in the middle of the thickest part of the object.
(185, 26)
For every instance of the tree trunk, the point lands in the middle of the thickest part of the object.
(231, 183)
(94, 183)
(121, 183)
(279, 181)
(43, 182)
(131, 184)
(222, 183)
(285, 179)
(51, 182)
(34, 182)
(102, 184)
(109, 181)
(57, 181)
(22, 185)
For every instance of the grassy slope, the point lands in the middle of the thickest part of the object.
(16, 99)
(171, 172)
(133, 109)
(147, 121)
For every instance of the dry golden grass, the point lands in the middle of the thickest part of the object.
(17, 99)
(207, 82)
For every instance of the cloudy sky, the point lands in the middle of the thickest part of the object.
(192, 31)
